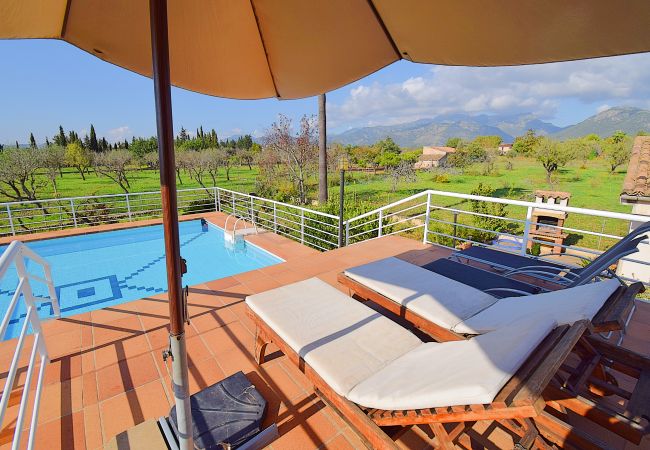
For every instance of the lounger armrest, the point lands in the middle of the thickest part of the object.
(616, 309)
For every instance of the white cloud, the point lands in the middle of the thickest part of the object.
(119, 133)
(538, 89)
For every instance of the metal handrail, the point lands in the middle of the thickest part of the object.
(16, 254)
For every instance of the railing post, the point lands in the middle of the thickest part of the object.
(347, 232)
(524, 241)
(232, 194)
(128, 206)
(425, 239)
(216, 199)
(74, 213)
(302, 226)
(275, 217)
(252, 210)
(11, 220)
(381, 221)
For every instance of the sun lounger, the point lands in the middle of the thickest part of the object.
(378, 374)
(490, 282)
(447, 309)
(513, 264)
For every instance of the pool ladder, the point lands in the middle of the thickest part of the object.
(231, 236)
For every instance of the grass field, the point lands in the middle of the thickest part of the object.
(590, 187)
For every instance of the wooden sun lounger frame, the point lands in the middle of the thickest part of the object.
(514, 406)
(610, 317)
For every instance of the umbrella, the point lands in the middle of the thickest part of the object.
(250, 49)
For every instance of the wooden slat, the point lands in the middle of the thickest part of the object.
(562, 434)
(639, 405)
(620, 354)
(598, 413)
(612, 315)
(545, 371)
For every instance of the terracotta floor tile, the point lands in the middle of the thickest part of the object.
(280, 381)
(63, 368)
(60, 399)
(117, 329)
(66, 433)
(214, 318)
(65, 344)
(223, 283)
(306, 428)
(339, 443)
(125, 410)
(93, 427)
(89, 388)
(112, 352)
(202, 375)
(125, 376)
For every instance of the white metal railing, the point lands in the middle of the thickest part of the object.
(439, 217)
(448, 219)
(313, 228)
(17, 254)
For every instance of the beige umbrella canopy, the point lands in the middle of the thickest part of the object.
(251, 49)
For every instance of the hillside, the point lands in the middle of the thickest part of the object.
(436, 131)
(627, 119)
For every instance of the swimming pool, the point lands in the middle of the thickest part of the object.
(93, 271)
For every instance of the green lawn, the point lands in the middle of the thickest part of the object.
(591, 187)
(71, 184)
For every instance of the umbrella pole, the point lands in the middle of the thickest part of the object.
(162, 92)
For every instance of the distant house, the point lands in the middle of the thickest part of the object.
(636, 192)
(433, 157)
(505, 148)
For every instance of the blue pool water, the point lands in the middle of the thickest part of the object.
(97, 270)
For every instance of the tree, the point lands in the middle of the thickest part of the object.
(524, 145)
(18, 170)
(466, 155)
(211, 158)
(76, 156)
(246, 157)
(617, 153)
(388, 159)
(402, 171)
(322, 150)
(454, 142)
(32, 141)
(387, 146)
(298, 153)
(552, 155)
(60, 138)
(93, 145)
(53, 162)
(141, 146)
(194, 165)
(182, 136)
(488, 142)
(618, 137)
(151, 160)
(113, 164)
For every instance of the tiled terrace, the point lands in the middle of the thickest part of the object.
(107, 373)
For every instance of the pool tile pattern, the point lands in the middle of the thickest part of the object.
(107, 373)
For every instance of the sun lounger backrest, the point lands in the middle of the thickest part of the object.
(621, 249)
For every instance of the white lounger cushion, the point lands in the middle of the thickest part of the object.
(342, 339)
(453, 373)
(565, 306)
(438, 299)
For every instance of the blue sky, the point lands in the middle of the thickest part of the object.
(47, 83)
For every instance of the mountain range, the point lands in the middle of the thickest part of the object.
(437, 130)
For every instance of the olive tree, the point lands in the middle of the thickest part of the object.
(617, 152)
(113, 164)
(18, 173)
(78, 157)
(552, 154)
(53, 159)
(297, 153)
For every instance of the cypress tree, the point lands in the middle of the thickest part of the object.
(93, 139)
(17, 146)
(47, 142)
(126, 144)
(61, 139)
(32, 141)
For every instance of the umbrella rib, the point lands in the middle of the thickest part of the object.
(385, 30)
(64, 25)
(266, 53)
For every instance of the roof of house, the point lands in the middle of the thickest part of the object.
(636, 180)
